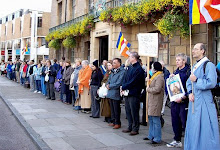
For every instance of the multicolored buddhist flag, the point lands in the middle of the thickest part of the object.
(123, 45)
(25, 49)
(203, 11)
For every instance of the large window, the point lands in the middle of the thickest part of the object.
(217, 44)
(39, 22)
(60, 12)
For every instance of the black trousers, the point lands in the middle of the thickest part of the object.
(68, 94)
(50, 90)
(179, 116)
(95, 104)
(115, 111)
(132, 106)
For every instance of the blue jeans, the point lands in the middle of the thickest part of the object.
(75, 94)
(38, 85)
(154, 128)
(43, 86)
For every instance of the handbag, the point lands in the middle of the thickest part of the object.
(103, 91)
(57, 86)
(46, 78)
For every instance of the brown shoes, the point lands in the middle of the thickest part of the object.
(111, 125)
(126, 131)
(133, 133)
(117, 126)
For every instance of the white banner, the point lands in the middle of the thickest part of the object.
(148, 44)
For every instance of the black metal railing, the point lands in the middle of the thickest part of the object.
(68, 23)
(109, 4)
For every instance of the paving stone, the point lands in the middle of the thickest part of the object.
(58, 134)
(58, 144)
(42, 129)
(111, 139)
(31, 111)
(63, 128)
(84, 142)
(67, 115)
(46, 135)
(86, 126)
(76, 132)
(59, 121)
(29, 117)
(38, 123)
(46, 116)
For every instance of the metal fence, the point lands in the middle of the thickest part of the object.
(109, 4)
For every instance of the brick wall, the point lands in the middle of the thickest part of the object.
(17, 28)
(26, 25)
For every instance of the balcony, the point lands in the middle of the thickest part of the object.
(68, 23)
(109, 4)
(117, 3)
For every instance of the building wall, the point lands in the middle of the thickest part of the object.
(54, 13)
(44, 30)
(26, 26)
(3, 36)
(9, 30)
(17, 32)
(81, 7)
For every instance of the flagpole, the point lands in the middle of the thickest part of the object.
(148, 76)
(191, 60)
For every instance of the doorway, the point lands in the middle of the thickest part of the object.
(103, 49)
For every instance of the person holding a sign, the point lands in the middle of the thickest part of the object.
(133, 84)
(180, 102)
(202, 131)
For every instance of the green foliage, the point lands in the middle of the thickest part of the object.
(69, 42)
(56, 44)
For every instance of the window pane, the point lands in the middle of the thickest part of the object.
(39, 22)
(218, 31)
(218, 45)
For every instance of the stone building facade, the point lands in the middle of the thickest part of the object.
(101, 42)
(24, 29)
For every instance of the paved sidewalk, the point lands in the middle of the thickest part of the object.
(62, 128)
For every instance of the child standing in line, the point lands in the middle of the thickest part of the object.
(37, 74)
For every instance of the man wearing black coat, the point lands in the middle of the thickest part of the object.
(132, 86)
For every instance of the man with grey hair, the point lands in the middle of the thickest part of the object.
(202, 131)
(133, 83)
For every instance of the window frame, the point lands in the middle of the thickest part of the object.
(215, 42)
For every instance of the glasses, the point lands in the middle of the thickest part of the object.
(195, 49)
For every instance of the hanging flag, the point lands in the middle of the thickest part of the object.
(203, 11)
(123, 45)
(26, 48)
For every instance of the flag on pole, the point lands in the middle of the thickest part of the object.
(203, 11)
(123, 45)
(25, 49)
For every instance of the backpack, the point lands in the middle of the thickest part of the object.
(215, 90)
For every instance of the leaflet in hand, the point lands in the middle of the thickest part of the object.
(175, 87)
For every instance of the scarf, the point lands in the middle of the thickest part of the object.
(154, 76)
(200, 63)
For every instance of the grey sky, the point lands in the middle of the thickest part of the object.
(10, 6)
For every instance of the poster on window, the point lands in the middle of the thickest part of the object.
(148, 44)
(175, 87)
